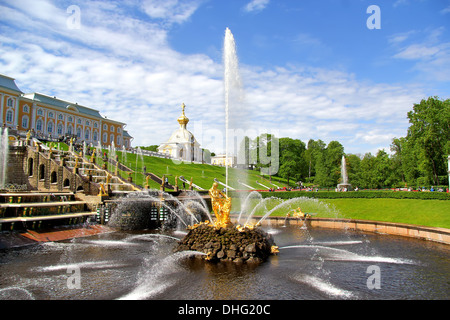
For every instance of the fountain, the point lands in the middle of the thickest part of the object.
(222, 240)
(314, 263)
(235, 111)
(138, 261)
(156, 209)
(344, 185)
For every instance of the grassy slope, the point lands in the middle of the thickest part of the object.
(202, 174)
(433, 213)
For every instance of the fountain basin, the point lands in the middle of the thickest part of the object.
(314, 263)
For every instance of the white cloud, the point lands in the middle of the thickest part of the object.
(256, 5)
(400, 3)
(430, 55)
(399, 38)
(174, 11)
(417, 51)
(124, 67)
(445, 10)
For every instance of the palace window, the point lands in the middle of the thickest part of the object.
(70, 129)
(51, 115)
(50, 127)
(9, 116)
(40, 112)
(39, 125)
(105, 137)
(60, 116)
(118, 140)
(79, 132)
(70, 119)
(60, 129)
(10, 102)
(25, 109)
(95, 125)
(95, 137)
(105, 127)
(88, 123)
(87, 134)
(111, 138)
(111, 129)
(25, 122)
(79, 121)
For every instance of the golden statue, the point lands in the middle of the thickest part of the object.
(221, 205)
(147, 185)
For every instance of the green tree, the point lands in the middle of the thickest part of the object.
(368, 176)
(383, 170)
(150, 148)
(354, 170)
(292, 161)
(328, 165)
(314, 149)
(428, 137)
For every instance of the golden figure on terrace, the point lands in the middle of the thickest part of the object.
(221, 205)
(298, 214)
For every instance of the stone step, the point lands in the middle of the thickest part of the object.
(41, 204)
(48, 217)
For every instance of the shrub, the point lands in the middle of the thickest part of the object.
(359, 194)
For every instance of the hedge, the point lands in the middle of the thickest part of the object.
(359, 194)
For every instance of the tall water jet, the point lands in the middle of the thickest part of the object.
(344, 175)
(344, 185)
(235, 116)
(4, 153)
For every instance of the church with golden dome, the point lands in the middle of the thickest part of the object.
(182, 144)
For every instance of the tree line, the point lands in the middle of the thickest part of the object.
(419, 159)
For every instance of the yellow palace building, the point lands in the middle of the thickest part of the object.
(49, 118)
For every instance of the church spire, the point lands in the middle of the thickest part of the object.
(183, 120)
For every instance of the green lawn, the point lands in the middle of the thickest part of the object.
(203, 174)
(432, 213)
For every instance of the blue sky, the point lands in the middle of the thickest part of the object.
(310, 69)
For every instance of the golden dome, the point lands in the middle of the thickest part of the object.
(183, 120)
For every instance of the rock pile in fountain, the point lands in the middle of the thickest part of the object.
(228, 244)
(224, 241)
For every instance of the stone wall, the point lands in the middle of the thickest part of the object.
(44, 173)
(441, 235)
(16, 162)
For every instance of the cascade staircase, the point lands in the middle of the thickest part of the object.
(36, 210)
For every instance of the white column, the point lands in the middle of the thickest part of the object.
(44, 129)
(66, 122)
(1, 108)
(16, 110)
(33, 116)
